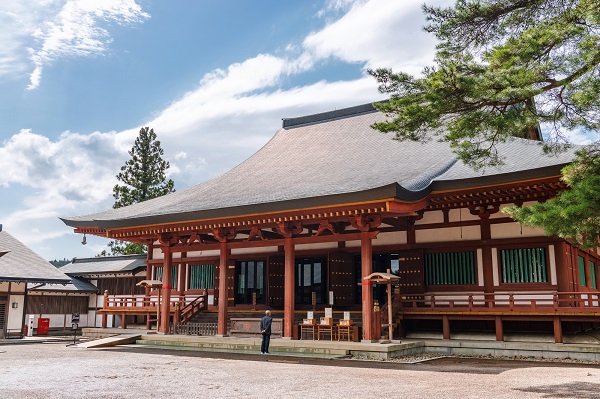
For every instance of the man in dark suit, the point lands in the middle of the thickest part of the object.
(265, 329)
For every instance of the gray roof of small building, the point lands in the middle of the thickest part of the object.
(21, 264)
(76, 285)
(105, 265)
(329, 159)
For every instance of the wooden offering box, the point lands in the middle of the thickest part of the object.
(326, 321)
(309, 321)
(344, 322)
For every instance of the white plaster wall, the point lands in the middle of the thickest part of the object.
(552, 262)
(513, 230)
(14, 287)
(259, 250)
(322, 245)
(15, 320)
(431, 217)
(393, 238)
(353, 244)
(459, 299)
(525, 298)
(214, 252)
(448, 234)
(157, 253)
(480, 278)
(456, 215)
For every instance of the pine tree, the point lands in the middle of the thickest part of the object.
(144, 177)
(502, 68)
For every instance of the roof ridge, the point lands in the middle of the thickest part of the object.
(108, 258)
(329, 115)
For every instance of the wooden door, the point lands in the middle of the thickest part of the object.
(411, 272)
(342, 280)
(230, 282)
(3, 317)
(276, 281)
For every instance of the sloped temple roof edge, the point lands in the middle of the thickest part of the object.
(337, 131)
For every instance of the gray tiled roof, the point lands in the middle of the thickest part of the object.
(109, 264)
(23, 265)
(76, 285)
(328, 162)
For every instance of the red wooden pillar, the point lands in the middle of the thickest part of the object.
(105, 305)
(148, 277)
(499, 329)
(445, 327)
(558, 337)
(165, 306)
(288, 298)
(366, 256)
(223, 260)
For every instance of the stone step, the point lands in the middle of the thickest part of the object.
(120, 339)
(242, 346)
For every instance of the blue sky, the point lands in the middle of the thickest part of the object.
(78, 79)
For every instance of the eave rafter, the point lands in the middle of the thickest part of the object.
(333, 220)
(514, 193)
(258, 227)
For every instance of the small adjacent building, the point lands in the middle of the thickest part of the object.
(328, 201)
(89, 279)
(20, 266)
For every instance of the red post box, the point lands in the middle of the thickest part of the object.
(43, 326)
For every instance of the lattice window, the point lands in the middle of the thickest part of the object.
(581, 269)
(158, 275)
(524, 265)
(450, 268)
(593, 276)
(202, 277)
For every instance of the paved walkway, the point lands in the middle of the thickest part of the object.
(47, 371)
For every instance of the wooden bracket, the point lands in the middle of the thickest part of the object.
(224, 234)
(289, 229)
(366, 222)
(334, 228)
(255, 233)
(168, 239)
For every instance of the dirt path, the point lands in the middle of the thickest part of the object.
(48, 371)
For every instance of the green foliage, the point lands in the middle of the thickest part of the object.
(573, 214)
(144, 174)
(502, 68)
(144, 177)
(59, 263)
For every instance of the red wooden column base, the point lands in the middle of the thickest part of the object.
(558, 336)
(499, 329)
(222, 320)
(165, 306)
(366, 254)
(445, 327)
(288, 304)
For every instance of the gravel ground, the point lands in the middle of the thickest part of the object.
(423, 357)
(55, 371)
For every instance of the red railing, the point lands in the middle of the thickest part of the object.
(188, 311)
(585, 302)
(188, 306)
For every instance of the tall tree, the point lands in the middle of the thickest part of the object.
(503, 68)
(144, 176)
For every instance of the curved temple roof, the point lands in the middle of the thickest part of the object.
(21, 264)
(327, 159)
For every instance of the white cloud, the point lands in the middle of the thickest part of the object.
(230, 114)
(377, 33)
(55, 29)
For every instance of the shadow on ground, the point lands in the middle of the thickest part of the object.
(586, 390)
